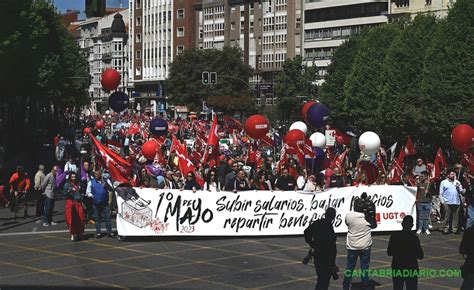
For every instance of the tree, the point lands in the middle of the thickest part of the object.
(364, 84)
(185, 84)
(295, 79)
(448, 75)
(402, 77)
(332, 90)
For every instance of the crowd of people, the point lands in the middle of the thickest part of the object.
(238, 164)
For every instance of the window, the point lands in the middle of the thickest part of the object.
(138, 71)
(138, 21)
(138, 38)
(269, 101)
(138, 54)
(180, 32)
(138, 4)
(232, 26)
(180, 14)
(179, 49)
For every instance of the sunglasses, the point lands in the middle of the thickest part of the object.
(213, 175)
(190, 176)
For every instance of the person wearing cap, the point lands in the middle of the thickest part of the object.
(39, 177)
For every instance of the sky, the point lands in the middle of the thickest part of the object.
(64, 5)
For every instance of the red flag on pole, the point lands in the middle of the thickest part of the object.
(339, 161)
(212, 141)
(185, 164)
(397, 168)
(232, 123)
(468, 160)
(134, 129)
(119, 169)
(441, 158)
(409, 148)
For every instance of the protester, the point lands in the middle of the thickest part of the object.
(449, 191)
(359, 242)
(169, 182)
(466, 249)
(48, 188)
(73, 212)
(469, 201)
(98, 190)
(321, 238)
(212, 181)
(191, 183)
(336, 180)
(405, 249)
(145, 179)
(70, 165)
(419, 168)
(86, 175)
(238, 183)
(285, 182)
(39, 177)
(19, 186)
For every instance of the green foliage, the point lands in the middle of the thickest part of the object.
(185, 86)
(332, 90)
(295, 79)
(39, 57)
(401, 112)
(448, 74)
(364, 85)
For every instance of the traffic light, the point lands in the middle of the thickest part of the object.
(205, 78)
(213, 78)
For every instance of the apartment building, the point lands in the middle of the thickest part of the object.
(439, 8)
(104, 39)
(328, 23)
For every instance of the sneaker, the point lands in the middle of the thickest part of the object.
(418, 232)
(427, 232)
(430, 227)
(97, 236)
(54, 223)
(45, 225)
(73, 238)
(111, 235)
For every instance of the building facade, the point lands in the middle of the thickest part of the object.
(104, 39)
(412, 8)
(328, 23)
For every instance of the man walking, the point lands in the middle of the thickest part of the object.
(449, 191)
(321, 238)
(423, 203)
(98, 189)
(48, 186)
(405, 249)
(39, 177)
(359, 242)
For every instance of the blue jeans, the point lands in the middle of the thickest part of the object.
(351, 262)
(102, 210)
(424, 209)
(470, 216)
(48, 209)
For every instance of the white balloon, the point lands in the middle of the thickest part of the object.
(318, 139)
(299, 126)
(107, 112)
(369, 143)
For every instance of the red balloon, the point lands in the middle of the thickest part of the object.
(257, 126)
(99, 124)
(149, 149)
(293, 137)
(86, 130)
(304, 109)
(462, 137)
(110, 79)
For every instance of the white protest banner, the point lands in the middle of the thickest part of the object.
(330, 137)
(152, 212)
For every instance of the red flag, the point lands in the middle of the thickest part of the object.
(185, 164)
(212, 142)
(134, 129)
(468, 160)
(268, 141)
(397, 168)
(441, 158)
(409, 148)
(380, 164)
(339, 161)
(283, 156)
(232, 123)
(119, 169)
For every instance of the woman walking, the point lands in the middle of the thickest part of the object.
(74, 212)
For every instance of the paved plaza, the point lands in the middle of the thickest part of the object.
(33, 256)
